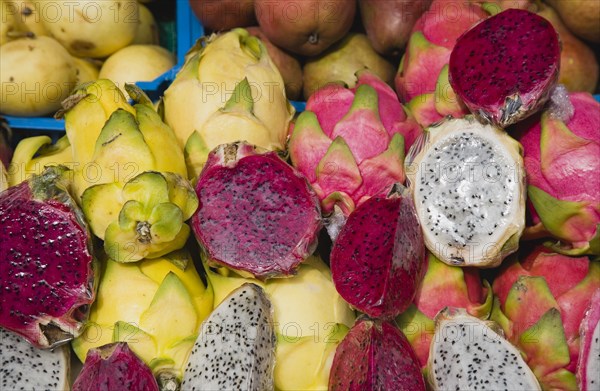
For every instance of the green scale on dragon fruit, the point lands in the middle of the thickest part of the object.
(540, 303)
(468, 185)
(375, 355)
(562, 161)
(257, 214)
(377, 259)
(350, 143)
(46, 262)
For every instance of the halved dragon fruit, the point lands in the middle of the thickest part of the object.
(377, 259)
(470, 354)
(469, 189)
(505, 67)
(257, 214)
(46, 261)
(25, 367)
(588, 366)
(114, 367)
(375, 355)
(562, 161)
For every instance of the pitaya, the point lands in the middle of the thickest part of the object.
(350, 143)
(114, 367)
(470, 354)
(236, 346)
(540, 303)
(469, 189)
(310, 320)
(443, 286)
(588, 366)
(46, 262)
(377, 259)
(422, 78)
(257, 214)
(375, 355)
(505, 67)
(25, 367)
(562, 161)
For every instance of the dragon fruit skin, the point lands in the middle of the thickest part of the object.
(377, 259)
(540, 302)
(562, 161)
(350, 143)
(588, 366)
(257, 214)
(47, 274)
(114, 367)
(502, 74)
(375, 355)
(443, 286)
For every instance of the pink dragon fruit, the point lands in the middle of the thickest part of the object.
(350, 143)
(377, 258)
(422, 78)
(588, 367)
(375, 355)
(443, 286)
(504, 68)
(46, 262)
(257, 214)
(540, 302)
(562, 161)
(114, 367)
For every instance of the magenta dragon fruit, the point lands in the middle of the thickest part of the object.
(588, 366)
(46, 262)
(377, 259)
(562, 161)
(540, 302)
(350, 143)
(443, 286)
(114, 367)
(375, 355)
(422, 78)
(504, 68)
(257, 214)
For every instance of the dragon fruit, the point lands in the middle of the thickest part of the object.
(25, 367)
(377, 259)
(469, 188)
(470, 354)
(588, 366)
(504, 68)
(310, 319)
(236, 347)
(422, 78)
(562, 161)
(443, 286)
(375, 355)
(114, 367)
(47, 267)
(350, 143)
(539, 304)
(257, 214)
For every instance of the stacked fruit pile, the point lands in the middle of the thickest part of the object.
(175, 245)
(48, 48)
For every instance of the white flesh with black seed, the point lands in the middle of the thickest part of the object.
(593, 364)
(467, 354)
(469, 191)
(236, 346)
(24, 367)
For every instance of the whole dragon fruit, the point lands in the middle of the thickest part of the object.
(539, 303)
(46, 260)
(562, 161)
(504, 68)
(350, 143)
(443, 286)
